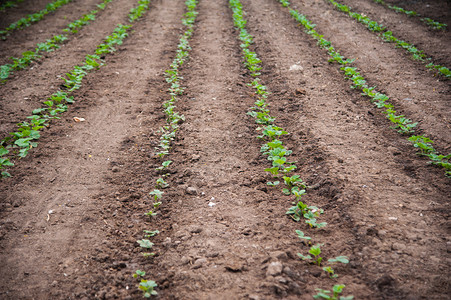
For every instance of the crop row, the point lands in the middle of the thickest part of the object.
(380, 100)
(168, 131)
(18, 144)
(428, 21)
(9, 4)
(277, 154)
(49, 45)
(388, 36)
(33, 18)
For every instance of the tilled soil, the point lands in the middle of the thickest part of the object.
(72, 212)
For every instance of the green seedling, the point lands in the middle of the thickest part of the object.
(303, 237)
(422, 143)
(275, 183)
(164, 165)
(147, 254)
(139, 273)
(150, 213)
(291, 183)
(148, 286)
(161, 183)
(434, 24)
(149, 233)
(337, 290)
(157, 194)
(311, 220)
(144, 243)
(340, 259)
(315, 250)
(330, 272)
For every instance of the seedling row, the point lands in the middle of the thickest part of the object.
(10, 4)
(388, 36)
(168, 132)
(282, 169)
(401, 123)
(20, 142)
(50, 45)
(33, 18)
(428, 21)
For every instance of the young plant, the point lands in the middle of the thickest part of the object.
(145, 243)
(315, 250)
(161, 183)
(148, 288)
(164, 165)
(303, 237)
(330, 272)
(336, 291)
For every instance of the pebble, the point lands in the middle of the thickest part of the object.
(185, 260)
(234, 266)
(316, 272)
(274, 269)
(199, 263)
(281, 255)
(196, 230)
(191, 190)
(287, 271)
(398, 247)
(195, 157)
(167, 242)
(381, 233)
(115, 169)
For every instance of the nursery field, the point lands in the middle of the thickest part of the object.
(225, 149)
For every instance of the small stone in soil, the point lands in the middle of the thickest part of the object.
(199, 263)
(191, 190)
(274, 269)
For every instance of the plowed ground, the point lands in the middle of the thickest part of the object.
(386, 208)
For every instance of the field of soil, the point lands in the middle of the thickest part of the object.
(73, 210)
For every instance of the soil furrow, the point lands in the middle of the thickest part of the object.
(437, 10)
(413, 91)
(226, 232)
(435, 43)
(26, 40)
(19, 98)
(380, 195)
(23, 9)
(60, 208)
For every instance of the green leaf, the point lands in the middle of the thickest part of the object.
(302, 236)
(3, 151)
(144, 243)
(23, 143)
(341, 259)
(5, 174)
(150, 233)
(304, 257)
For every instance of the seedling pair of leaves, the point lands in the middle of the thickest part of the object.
(146, 286)
(157, 195)
(336, 291)
(315, 250)
(309, 213)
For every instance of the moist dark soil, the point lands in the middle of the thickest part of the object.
(74, 208)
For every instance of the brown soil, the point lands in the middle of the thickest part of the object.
(72, 212)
